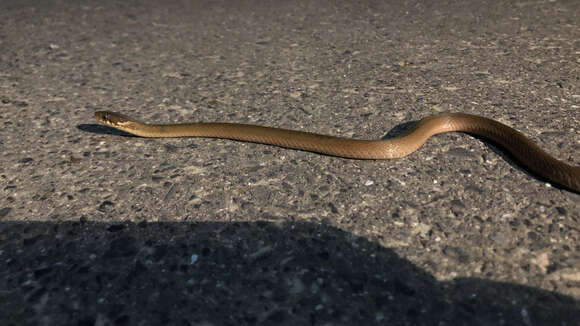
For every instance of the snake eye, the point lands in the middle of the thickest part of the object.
(110, 118)
(104, 117)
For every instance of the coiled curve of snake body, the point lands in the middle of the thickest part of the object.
(519, 146)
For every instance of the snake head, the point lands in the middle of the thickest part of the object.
(112, 119)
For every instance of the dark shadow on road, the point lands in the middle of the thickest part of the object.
(85, 273)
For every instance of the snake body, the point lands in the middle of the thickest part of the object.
(519, 146)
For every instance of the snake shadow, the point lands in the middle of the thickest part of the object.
(102, 130)
(403, 128)
(245, 273)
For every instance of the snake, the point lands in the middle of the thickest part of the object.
(523, 150)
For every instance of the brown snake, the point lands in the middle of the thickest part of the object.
(523, 150)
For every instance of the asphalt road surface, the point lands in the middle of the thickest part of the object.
(98, 228)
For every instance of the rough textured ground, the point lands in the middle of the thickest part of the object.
(97, 228)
